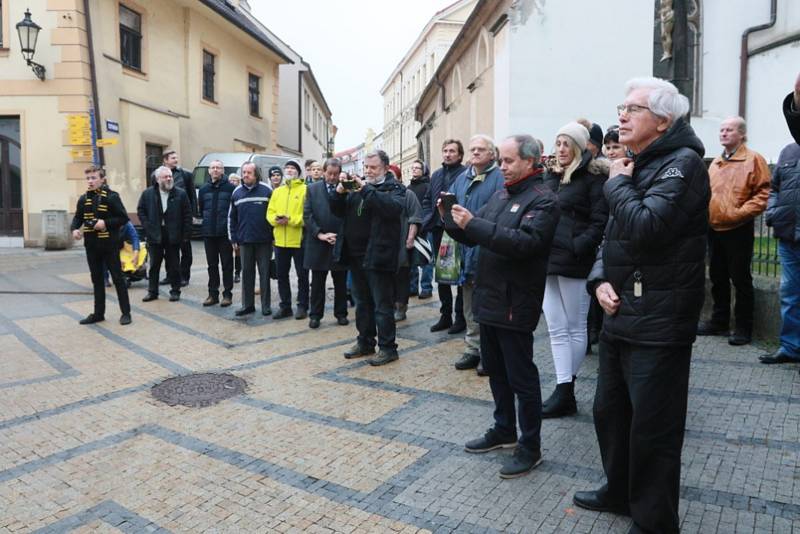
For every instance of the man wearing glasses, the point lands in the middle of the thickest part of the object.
(649, 278)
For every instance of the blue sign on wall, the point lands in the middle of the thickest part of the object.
(112, 126)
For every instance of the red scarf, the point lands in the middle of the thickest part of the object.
(537, 171)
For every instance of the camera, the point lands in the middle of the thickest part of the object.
(349, 185)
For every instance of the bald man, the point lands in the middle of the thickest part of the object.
(739, 190)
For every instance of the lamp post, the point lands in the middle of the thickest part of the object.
(28, 35)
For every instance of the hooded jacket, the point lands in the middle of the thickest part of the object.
(656, 236)
(371, 234)
(783, 206)
(739, 189)
(514, 231)
(473, 190)
(584, 213)
(288, 200)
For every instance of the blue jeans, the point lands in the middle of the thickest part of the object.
(790, 297)
(425, 285)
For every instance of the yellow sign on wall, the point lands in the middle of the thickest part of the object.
(79, 129)
(111, 141)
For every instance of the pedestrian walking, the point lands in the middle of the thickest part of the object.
(783, 215)
(441, 182)
(739, 190)
(285, 214)
(323, 228)
(371, 210)
(250, 233)
(473, 188)
(166, 218)
(99, 216)
(577, 181)
(214, 201)
(514, 231)
(649, 278)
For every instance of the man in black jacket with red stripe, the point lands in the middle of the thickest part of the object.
(514, 229)
(99, 215)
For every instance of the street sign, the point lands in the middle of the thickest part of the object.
(79, 128)
(111, 141)
(81, 153)
(112, 126)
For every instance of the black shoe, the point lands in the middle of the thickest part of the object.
(283, 313)
(266, 311)
(480, 371)
(444, 323)
(384, 356)
(301, 314)
(425, 295)
(342, 321)
(400, 313)
(489, 442)
(184, 282)
(598, 501)
(356, 351)
(710, 328)
(561, 402)
(245, 311)
(468, 361)
(174, 297)
(211, 301)
(521, 462)
(740, 337)
(164, 282)
(458, 326)
(313, 323)
(237, 278)
(91, 319)
(149, 297)
(125, 319)
(777, 357)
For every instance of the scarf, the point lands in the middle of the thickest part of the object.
(537, 171)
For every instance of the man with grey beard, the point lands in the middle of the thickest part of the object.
(166, 217)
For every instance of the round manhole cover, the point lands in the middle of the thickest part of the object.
(198, 390)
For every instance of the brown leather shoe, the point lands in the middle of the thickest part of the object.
(226, 301)
(211, 301)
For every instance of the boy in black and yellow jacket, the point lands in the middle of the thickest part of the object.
(99, 215)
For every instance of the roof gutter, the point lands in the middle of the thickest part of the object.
(744, 58)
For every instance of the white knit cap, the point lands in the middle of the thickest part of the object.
(576, 132)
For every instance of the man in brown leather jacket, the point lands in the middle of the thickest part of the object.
(739, 190)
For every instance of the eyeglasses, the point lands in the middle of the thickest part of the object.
(630, 108)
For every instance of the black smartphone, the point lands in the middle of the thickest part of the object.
(349, 185)
(448, 201)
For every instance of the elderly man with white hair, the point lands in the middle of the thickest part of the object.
(166, 217)
(649, 278)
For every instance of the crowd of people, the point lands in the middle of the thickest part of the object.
(607, 237)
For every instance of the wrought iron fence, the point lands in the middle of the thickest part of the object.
(765, 250)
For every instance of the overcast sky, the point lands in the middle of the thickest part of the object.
(352, 46)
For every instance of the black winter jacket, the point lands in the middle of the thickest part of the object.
(656, 234)
(380, 208)
(441, 181)
(514, 230)
(177, 218)
(420, 188)
(214, 201)
(584, 213)
(783, 206)
(102, 204)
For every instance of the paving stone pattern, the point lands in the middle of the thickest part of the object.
(318, 443)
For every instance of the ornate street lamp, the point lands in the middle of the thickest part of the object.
(28, 35)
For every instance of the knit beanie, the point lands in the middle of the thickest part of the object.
(577, 133)
(596, 135)
(296, 165)
(277, 169)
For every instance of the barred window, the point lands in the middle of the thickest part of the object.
(209, 61)
(254, 92)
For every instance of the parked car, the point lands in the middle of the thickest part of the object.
(233, 161)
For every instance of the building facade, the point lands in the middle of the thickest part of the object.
(509, 70)
(402, 90)
(152, 75)
(305, 126)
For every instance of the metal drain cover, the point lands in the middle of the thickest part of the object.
(198, 390)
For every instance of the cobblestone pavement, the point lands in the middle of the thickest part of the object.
(322, 444)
